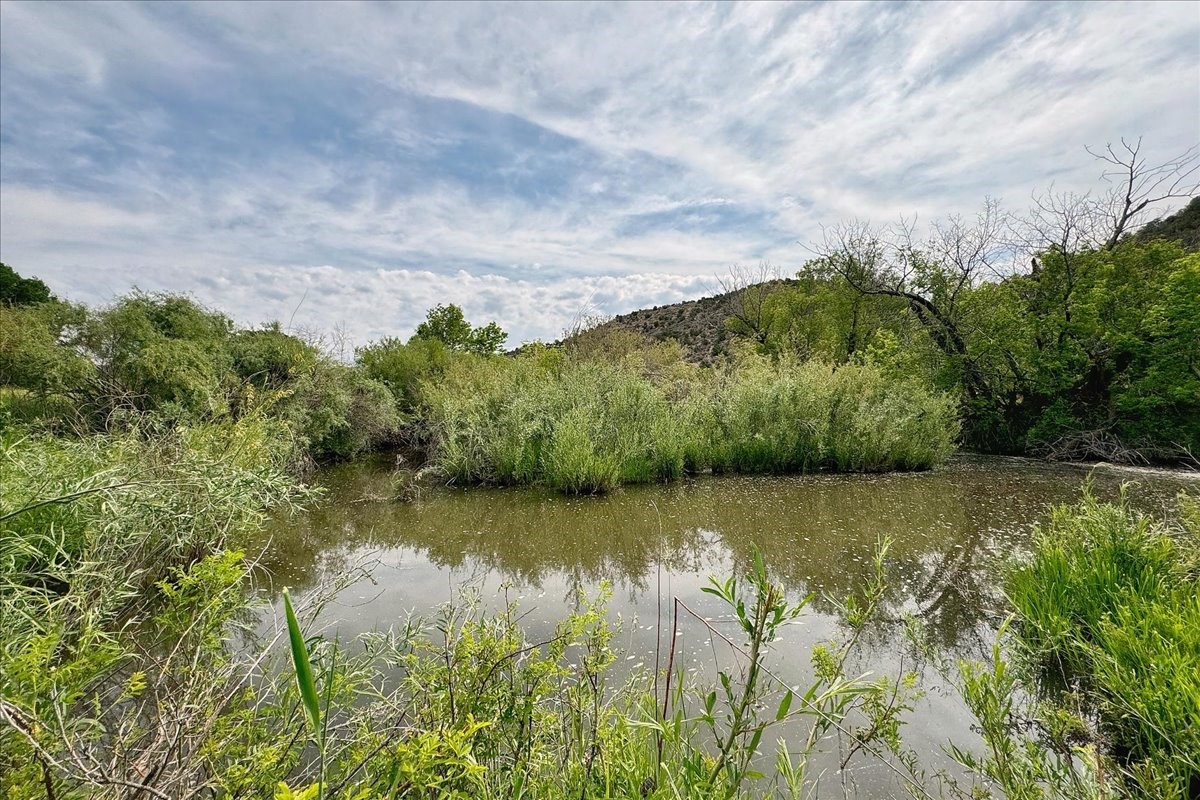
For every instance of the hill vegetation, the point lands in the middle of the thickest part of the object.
(702, 327)
(1086, 350)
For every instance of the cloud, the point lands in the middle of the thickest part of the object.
(520, 159)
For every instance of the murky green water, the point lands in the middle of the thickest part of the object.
(953, 529)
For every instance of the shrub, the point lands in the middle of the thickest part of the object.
(117, 597)
(269, 358)
(33, 355)
(538, 418)
(402, 368)
(796, 417)
(338, 412)
(587, 426)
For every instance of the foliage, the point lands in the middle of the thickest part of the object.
(579, 427)
(1111, 600)
(339, 413)
(116, 594)
(165, 358)
(1021, 766)
(446, 324)
(33, 355)
(404, 368)
(789, 416)
(18, 291)
(587, 426)
(270, 359)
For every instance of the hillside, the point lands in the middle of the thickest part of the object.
(698, 325)
(1182, 226)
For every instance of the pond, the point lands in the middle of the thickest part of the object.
(953, 529)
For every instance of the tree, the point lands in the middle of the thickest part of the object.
(18, 291)
(1135, 186)
(931, 276)
(748, 290)
(446, 323)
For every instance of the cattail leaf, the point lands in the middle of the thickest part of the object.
(303, 667)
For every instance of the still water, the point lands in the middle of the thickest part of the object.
(953, 530)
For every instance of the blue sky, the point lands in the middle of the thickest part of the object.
(349, 165)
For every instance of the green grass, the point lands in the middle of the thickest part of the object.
(1111, 602)
(799, 417)
(585, 426)
(578, 427)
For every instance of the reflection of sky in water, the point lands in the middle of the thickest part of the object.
(951, 528)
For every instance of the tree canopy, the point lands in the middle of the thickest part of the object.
(446, 324)
(18, 291)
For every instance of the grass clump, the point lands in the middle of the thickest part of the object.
(584, 426)
(1111, 603)
(538, 418)
(802, 416)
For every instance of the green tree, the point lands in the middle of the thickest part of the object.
(37, 352)
(269, 358)
(18, 291)
(159, 352)
(402, 368)
(446, 324)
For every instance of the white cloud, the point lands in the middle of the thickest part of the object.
(249, 151)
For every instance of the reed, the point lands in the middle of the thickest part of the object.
(584, 426)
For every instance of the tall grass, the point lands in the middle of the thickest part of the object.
(1111, 602)
(117, 592)
(587, 426)
(578, 427)
(798, 417)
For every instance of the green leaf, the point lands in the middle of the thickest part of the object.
(760, 566)
(754, 740)
(784, 705)
(304, 676)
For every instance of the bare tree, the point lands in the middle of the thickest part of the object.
(1137, 186)
(930, 276)
(748, 289)
(1068, 223)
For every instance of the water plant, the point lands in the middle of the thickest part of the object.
(1109, 608)
(585, 427)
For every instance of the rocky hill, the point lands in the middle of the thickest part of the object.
(1182, 226)
(698, 325)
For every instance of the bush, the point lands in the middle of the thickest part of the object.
(33, 354)
(587, 426)
(538, 418)
(402, 368)
(116, 596)
(269, 358)
(338, 412)
(797, 417)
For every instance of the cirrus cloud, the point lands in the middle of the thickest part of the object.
(527, 161)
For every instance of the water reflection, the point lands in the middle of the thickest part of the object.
(952, 528)
(817, 532)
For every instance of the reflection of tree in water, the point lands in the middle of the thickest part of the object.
(818, 533)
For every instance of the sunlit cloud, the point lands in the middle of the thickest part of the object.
(344, 165)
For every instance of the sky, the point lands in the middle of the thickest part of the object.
(347, 166)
